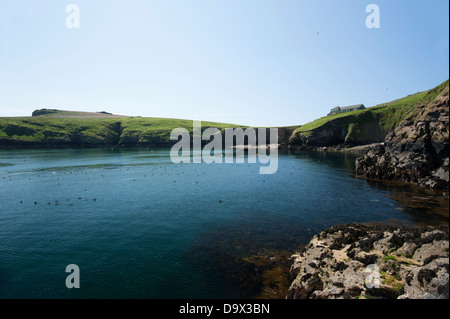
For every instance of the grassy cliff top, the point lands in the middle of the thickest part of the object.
(103, 126)
(391, 113)
(73, 114)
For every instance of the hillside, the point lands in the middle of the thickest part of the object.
(363, 126)
(84, 129)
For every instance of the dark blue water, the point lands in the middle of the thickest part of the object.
(139, 226)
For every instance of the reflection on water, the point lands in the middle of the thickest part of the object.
(426, 206)
(341, 160)
(251, 254)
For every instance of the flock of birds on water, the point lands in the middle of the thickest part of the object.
(70, 202)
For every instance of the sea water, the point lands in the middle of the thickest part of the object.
(139, 226)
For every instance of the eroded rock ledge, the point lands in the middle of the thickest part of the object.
(417, 151)
(409, 263)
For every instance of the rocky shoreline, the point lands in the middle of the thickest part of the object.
(417, 151)
(359, 261)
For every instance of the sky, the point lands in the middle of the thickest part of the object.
(247, 62)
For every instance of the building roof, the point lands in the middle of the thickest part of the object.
(351, 107)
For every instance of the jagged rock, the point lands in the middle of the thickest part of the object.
(428, 282)
(373, 261)
(417, 151)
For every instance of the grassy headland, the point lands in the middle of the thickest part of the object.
(84, 130)
(363, 126)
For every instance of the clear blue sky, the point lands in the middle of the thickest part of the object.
(250, 62)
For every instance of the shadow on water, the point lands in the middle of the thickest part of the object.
(341, 160)
(428, 207)
(253, 254)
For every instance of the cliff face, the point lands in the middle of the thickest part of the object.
(351, 130)
(379, 261)
(417, 151)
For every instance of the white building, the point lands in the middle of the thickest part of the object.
(338, 109)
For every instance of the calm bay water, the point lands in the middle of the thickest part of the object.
(139, 226)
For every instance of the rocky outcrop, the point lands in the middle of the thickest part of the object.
(377, 261)
(43, 112)
(351, 130)
(417, 151)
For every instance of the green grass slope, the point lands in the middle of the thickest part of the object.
(88, 131)
(73, 114)
(363, 126)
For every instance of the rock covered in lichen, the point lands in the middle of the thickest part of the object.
(373, 261)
